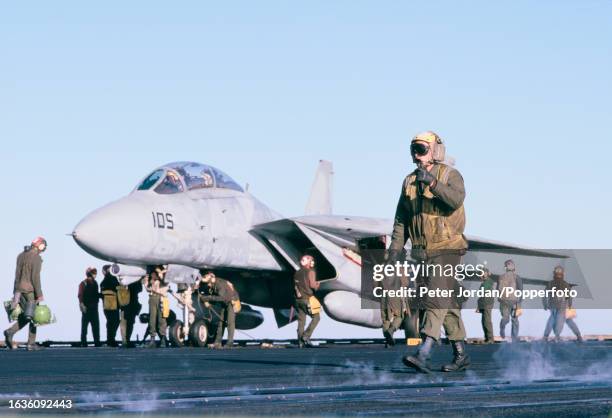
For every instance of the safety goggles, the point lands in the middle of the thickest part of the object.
(419, 148)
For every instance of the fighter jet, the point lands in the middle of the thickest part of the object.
(192, 216)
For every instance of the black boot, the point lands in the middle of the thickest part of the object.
(461, 360)
(8, 339)
(163, 342)
(389, 340)
(152, 343)
(420, 361)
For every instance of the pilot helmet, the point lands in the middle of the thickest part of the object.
(173, 176)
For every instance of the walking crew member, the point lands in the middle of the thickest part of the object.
(109, 287)
(27, 291)
(158, 289)
(305, 280)
(509, 304)
(130, 308)
(221, 291)
(89, 295)
(560, 308)
(430, 212)
(485, 307)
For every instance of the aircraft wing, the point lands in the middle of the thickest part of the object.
(482, 244)
(337, 243)
(349, 229)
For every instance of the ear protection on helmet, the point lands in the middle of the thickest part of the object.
(439, 153)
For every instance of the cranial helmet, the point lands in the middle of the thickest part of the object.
(439, 150)
(39, 243)
(306, 260)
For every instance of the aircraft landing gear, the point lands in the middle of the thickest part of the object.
(177, 334)
(198, 333)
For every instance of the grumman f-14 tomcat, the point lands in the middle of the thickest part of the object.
(192, 216)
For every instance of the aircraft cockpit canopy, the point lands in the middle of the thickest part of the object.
(178, 177)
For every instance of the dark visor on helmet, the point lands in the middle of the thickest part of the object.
(418, 148)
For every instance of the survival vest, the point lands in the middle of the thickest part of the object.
(434, 225)
(508, 279)
(123, 296)
(314, 306)
(109, 300)
(165, 306)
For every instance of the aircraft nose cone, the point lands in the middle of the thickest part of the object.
(90, 234)
(111, 232)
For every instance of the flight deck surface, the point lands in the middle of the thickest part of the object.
(525, 379)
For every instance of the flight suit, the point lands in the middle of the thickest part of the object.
(305, 283)
(485, 307)
(27, 283)
(223, 292)
(434, 220)
(157, 322)
(110, 284)
(129, 313)
(558, 307)
(89, 296)
(508, 304)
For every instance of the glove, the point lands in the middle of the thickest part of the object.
(83, 307)
(424, 176)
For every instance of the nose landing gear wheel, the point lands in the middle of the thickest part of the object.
(198, 333)
(177, 336)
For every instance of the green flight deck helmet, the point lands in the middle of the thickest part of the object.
(42, 315)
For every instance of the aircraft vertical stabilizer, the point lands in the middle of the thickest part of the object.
(320, 201)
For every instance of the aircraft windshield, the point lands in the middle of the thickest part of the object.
(197, 176)
(200, 176)
(178, 177)
(225, 182)
(151, 180)
(170, 185)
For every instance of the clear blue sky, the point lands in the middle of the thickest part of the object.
(94, 96)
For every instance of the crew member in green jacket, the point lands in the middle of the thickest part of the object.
(27, 291)
(430, 213)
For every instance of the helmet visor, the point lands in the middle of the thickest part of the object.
(419, 148)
